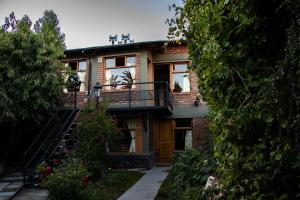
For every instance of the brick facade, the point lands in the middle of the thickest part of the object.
(187, 98)
(200, 127)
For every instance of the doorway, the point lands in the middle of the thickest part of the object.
(164, 140)
(161, 74)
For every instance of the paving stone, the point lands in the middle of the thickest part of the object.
(3, 185)
(147, 187)
(6, 194)
(32, 194)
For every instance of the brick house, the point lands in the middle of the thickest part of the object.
(158, 112)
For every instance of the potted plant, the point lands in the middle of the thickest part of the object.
(197, 101)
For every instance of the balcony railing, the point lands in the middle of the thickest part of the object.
(139, 96)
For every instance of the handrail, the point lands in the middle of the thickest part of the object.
(69, 117)
(43, 143)
(65, 132)
(43, 130)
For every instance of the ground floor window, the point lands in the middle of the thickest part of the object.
(126, 141)
(183, 134)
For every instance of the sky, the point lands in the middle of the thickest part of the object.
(88, 23)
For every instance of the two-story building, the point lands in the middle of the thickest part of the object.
(153, 95)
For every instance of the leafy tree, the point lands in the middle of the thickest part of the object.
(30, 68)
(246, 56)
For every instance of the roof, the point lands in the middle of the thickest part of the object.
(135, 45)
(119, 47)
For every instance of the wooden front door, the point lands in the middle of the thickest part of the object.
(164, 141)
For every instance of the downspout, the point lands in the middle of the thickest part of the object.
(89, 76)
(89, 71)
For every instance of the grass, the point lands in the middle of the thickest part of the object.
(116, 184)
(164, 192)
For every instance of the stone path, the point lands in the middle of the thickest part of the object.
(32, 194)
(10, 185)
(147, 187)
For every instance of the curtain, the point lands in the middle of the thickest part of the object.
(107, 78)
(186, 83)
(131, 126)
(81, 76)
(188, 139)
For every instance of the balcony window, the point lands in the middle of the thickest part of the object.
(180, 78)
(130, 61)
(115, 68)
(110, 62)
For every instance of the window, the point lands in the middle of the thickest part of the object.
(110, 62)
(183, 134)
(126, 141)
(181, 79)
(80, 67)
(115, 68)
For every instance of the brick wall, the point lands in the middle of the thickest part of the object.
(200, 127)
(187, 98)
(176, 49)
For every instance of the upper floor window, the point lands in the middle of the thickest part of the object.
(116, 68)
(79, 66)
(180, 78)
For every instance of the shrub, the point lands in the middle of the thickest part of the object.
(70, 181)
(96, 132)
(191, 170)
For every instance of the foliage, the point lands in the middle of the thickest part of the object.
(30, 67)
(190, 172)
(69, 182)
(73, 81)
(96, 132)
(246, 56)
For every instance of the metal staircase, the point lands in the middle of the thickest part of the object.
(54, 142)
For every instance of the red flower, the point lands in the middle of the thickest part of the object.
(56, 161)
(86, 180)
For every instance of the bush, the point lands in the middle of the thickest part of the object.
(96, 132)
(190, 172)
(70, 181)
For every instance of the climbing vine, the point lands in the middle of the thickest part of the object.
(246, 56)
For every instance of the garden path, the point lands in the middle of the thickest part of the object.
(147, 187)
(10, 185)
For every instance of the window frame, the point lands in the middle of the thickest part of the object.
(124, 128)
(172, 72)
(125, 61)
(186, 128)
(118, 67)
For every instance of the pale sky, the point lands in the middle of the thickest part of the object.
(89, 23)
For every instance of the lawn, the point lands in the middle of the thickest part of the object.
(164, 192)
(116, 184)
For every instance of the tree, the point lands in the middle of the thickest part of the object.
(246, 56)
(30, 69)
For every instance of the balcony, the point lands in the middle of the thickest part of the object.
(147, 96)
